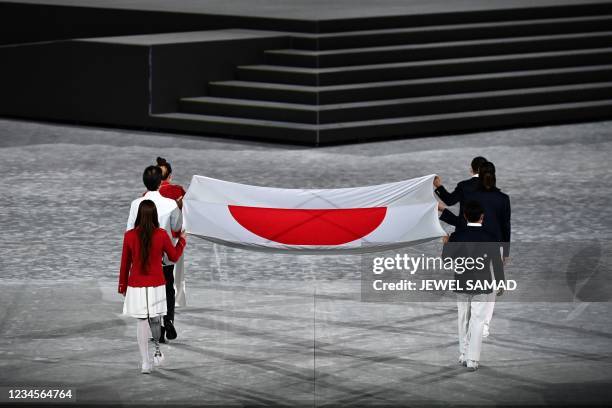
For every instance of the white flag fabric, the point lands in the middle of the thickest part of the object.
(180, 288)
(359, 219)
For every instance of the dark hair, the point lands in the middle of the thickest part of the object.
(477, 162)
(472, 210)
(486, 177)
(147, 223)
(165, 167)
(152, 178)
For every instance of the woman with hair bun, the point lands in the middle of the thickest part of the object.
(167, 189)
(495, 203)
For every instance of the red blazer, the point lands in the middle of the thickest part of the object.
(132, 273)
(173, 191)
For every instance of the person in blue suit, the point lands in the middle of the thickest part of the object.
(497, 215)
(474, 285)
(463, 188)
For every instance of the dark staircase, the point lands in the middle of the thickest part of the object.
(404, 82)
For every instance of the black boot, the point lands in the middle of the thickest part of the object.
(162, 337)
(169, 329)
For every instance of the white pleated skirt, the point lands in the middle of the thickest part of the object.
(145, 302)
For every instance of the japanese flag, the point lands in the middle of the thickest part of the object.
(357, 219)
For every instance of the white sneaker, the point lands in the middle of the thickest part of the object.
(146, 368)
(158, 359)
(472, 365)
(462, 360)
(485, 331)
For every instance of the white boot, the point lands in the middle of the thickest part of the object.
(142, 334)
(485, 331)
(146, 368)
(472, 365)
(158, 358)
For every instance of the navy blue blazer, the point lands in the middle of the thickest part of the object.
(497, 215)
(458, 195)
(475, 242)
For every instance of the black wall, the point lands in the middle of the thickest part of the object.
(181, 70)
(108, 83)
(22, 23)
(76, 81)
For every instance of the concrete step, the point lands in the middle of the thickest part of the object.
(442, 50)
(409, 88)
(420, 69)
(451, 32)
(247, 108)
(405, 76)
(464, 121)
(392, 108)
(245, 128)
(473, 16)
(412, 126)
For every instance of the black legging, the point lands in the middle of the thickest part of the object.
(169, 276)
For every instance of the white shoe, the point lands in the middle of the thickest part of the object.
(472, 365)
(462, 360)
(146, 368)
(485, 331)
(158, 359)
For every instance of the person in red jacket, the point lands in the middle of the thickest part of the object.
(141, 279)
(167, 189)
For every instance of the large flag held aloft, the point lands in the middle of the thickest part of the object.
(357, 219)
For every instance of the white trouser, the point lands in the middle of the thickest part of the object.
(489, 308)
(471, 318)
(491, 303)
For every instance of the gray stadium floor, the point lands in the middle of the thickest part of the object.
(286, 329)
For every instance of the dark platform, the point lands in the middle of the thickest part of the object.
(313, 10)
(308, 72)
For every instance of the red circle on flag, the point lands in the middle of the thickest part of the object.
(309, 226)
